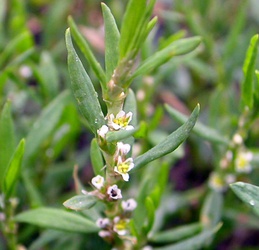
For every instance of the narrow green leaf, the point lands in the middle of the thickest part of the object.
(248, 193)
(130, 105)
(119, 135)
(57, 219)
(193, 243)
(211, 212)
(247, 88)
(176, 234)
(150, 214)
(170, 143)
(83, 89)
(130, 23)
(201, 130)
(45, 124)
(87, 52)
(96, 158)
(112, 37)
(80, 202)
(176, 48)
(13, 171)
(7, 141)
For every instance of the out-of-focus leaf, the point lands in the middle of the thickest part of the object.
(7, 141)
(176, 234)
(112, 37)
(45, 124)
(248, 193)
(85, 48)
(211, 212)
(13, 170)
(247, 90)
(201, 130)
(83, 89)
(130, 105)
(179, 47)
(172, 142)
(193, 243)
(57, 219)
(96, 158)
(80, 202)
(150, 214)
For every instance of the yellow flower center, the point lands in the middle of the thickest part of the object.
(121, 225)
(122, 121)
(123, 168)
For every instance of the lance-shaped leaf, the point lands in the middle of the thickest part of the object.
(194, 243)
(57, 219)
(7, 144)
(176, 234)
(13, 170)
(87, 52)
(83, 88)
(176, 48)
(247, 90)
(170, 143)
(201, 130)
(150, 214)
(112, 37)
(96, 158)
(80, 202)
(120, 134)
(248, 193)
(44, 125)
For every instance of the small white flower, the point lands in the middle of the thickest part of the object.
(237, 139)
(121, 121)
(242, 162)
(217, 182)
(230, 178)
(122, 148)
(98, 181)
(103, 222)
(123, 167)
(104, 234)
(129, 205)
(114, 192)
(103, 131)
(120, 225)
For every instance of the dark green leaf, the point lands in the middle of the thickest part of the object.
(112, 37)
(83, 89)
(170, 143)
(80, 202)
(13, 171)
(57, 219)
(201, 130)
(150, 214)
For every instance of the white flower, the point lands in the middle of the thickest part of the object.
(114, 192)
(103, 131)
(121, 121)
(123, 167)
(103, 222)
(98, 181)
(120, 225)
(129, 205)
(217, 182)
(237, 139)
(242, 162)
(122, 148)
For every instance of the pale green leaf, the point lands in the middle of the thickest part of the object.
(112, 37)
(57, 219)
(83, 89)
(201, 130)
(7, 141)
(80, 202)
(13, 170)
(173, 141)
(96, 158)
